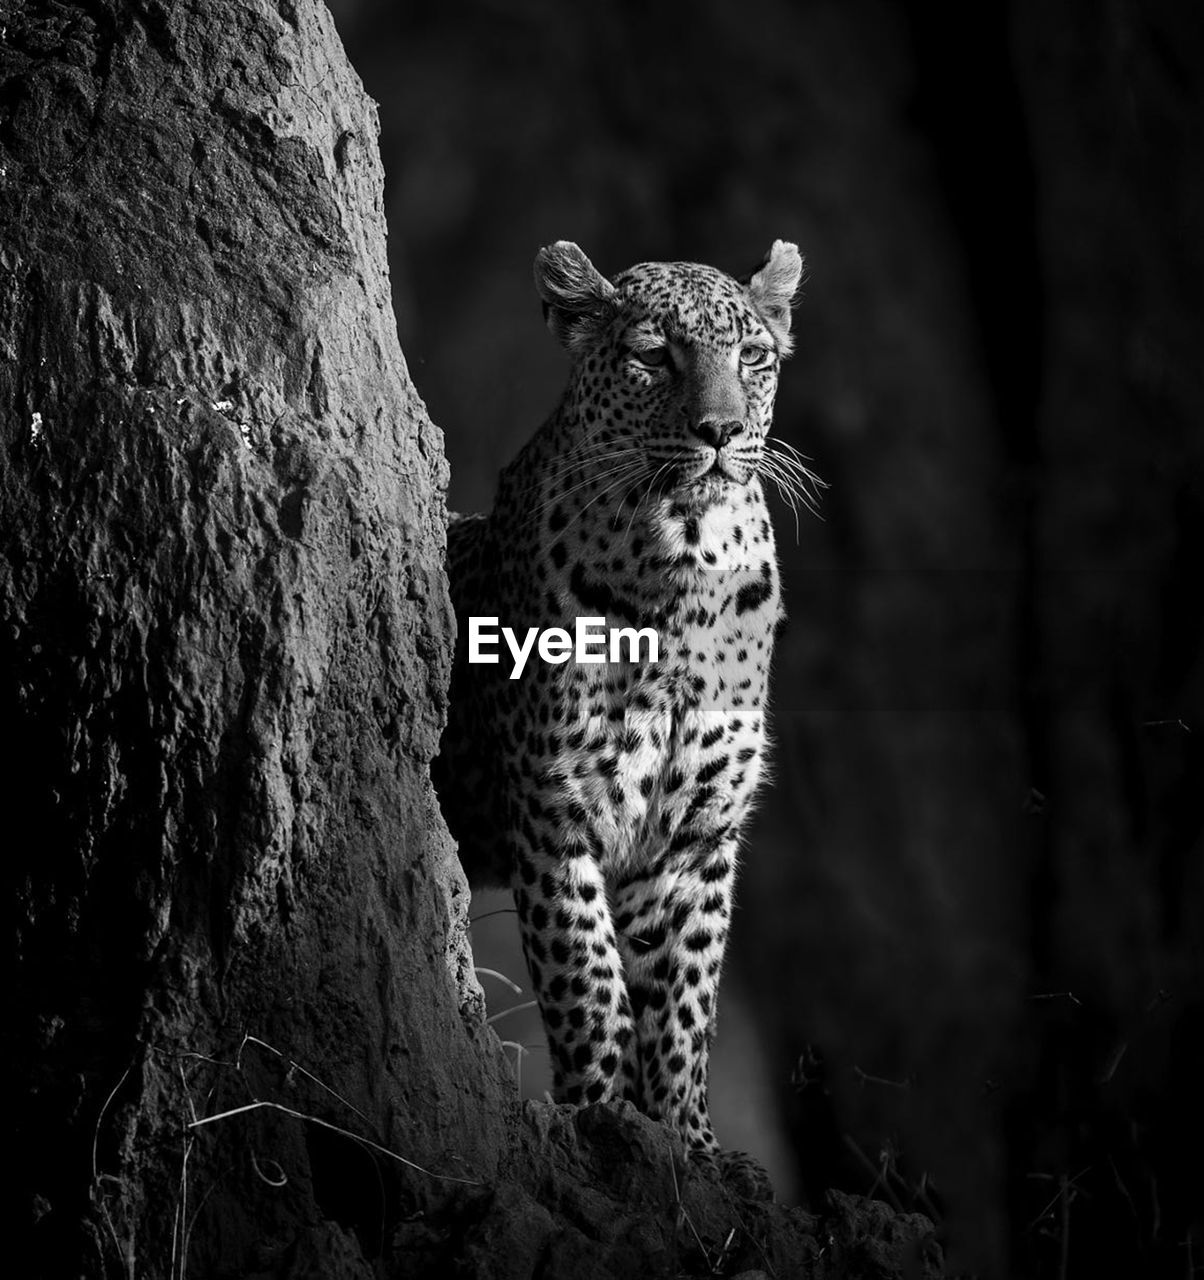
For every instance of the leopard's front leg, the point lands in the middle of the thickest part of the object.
(576, 971)
(673, 922)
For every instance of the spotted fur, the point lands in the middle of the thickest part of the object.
(612, 798)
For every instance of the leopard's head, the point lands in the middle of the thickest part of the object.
(675, 368)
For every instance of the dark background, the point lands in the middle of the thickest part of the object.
(966, 972)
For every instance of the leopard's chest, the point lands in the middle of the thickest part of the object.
(661, 754)
(627, 760)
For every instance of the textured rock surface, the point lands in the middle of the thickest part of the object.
(606, 1194)
(224, 634)
(235, 923)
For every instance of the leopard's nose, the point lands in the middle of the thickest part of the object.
(715, 432)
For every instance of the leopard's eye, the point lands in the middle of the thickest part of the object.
(652, 357)
(756, 356)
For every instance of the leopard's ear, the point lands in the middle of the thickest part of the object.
(577, 298)
(772, 288)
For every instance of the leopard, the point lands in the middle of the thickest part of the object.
(612, 797)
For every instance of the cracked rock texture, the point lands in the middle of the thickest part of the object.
(245, 1038)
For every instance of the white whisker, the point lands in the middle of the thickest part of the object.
(622, 475)
(552, 474)
(783, 487)
(641, 501)
(806, 483)
(582, 483)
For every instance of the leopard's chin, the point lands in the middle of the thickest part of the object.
(711, 486)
